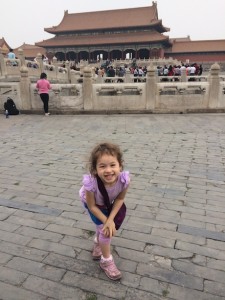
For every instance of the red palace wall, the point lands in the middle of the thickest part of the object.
(201, 58)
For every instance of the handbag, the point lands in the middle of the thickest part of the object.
(120, 216)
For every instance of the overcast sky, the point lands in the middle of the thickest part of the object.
(24, 21)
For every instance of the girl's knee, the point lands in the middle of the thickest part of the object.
(101, 236)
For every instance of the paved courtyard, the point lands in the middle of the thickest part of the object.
(171, 245)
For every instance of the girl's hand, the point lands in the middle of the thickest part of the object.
(109, 228)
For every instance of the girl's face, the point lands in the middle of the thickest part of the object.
(108, 169)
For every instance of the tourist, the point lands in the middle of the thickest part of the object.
(121, 73)
(106, 172)
(11, 54)
(170, 71)
(111, 72)
(43, 86)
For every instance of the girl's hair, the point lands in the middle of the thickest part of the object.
(104, 148)
(43, 76)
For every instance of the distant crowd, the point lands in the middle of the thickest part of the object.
(191, 70)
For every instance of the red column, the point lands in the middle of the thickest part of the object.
(161, 53)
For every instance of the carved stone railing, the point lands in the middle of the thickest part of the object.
(148, 95)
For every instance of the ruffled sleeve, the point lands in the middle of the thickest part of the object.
(125, 178)
(89, 183)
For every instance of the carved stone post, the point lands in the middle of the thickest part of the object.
(55, 64)
(183, 75)
(151, 87)
(25, 88)
(40, 62)
(3, 71)
(87, 89)
(21, 57)
(67, 64)
(214, 86)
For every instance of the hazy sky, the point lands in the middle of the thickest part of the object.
(24, 21)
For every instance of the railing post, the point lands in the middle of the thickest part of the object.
(3, 71)
(87, 89)
(55, 64)
(40, 62)
(67, 65)
(214, 86)
(25, 88)
(21, 57)
(151, 87)
(183, 76)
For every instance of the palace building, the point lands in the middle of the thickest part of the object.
(124, 33)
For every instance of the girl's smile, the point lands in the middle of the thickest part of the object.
(108, 169)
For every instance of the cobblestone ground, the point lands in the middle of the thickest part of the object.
(171, 245)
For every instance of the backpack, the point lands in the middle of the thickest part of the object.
(11, 107)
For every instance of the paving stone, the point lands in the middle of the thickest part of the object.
(176, 292)
(134, 294)
(168, 252)
(148, 239)
(14, 238)
(109, 289)
(36, 268)
(30, 207)
(11, 292)
(22, 251)
(68, 263)
(199, 271)
(174, 235)
(170, 276)
(205, 251)
(214, 288)
(219, 236)
(64, 230)
(52, 289)
(216, 264)
(52, 247)
(27, 222)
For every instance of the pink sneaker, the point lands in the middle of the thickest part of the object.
(96, 252)
(110, 269)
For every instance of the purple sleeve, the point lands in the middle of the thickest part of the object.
(125, 178)
(89, 183)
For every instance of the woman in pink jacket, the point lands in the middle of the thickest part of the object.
(43, 86)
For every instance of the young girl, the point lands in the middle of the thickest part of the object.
(106, 162)
(43, 86)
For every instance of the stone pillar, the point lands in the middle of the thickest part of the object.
(55, 64)
(183, 75)
(87, 89)
(151, 87)
(25, 88)
(3, 71)
(40, 62)
(67, 64)
(21, 57)
(128, 76)
(214, 86)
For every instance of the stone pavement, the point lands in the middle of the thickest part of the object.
(171, 245)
